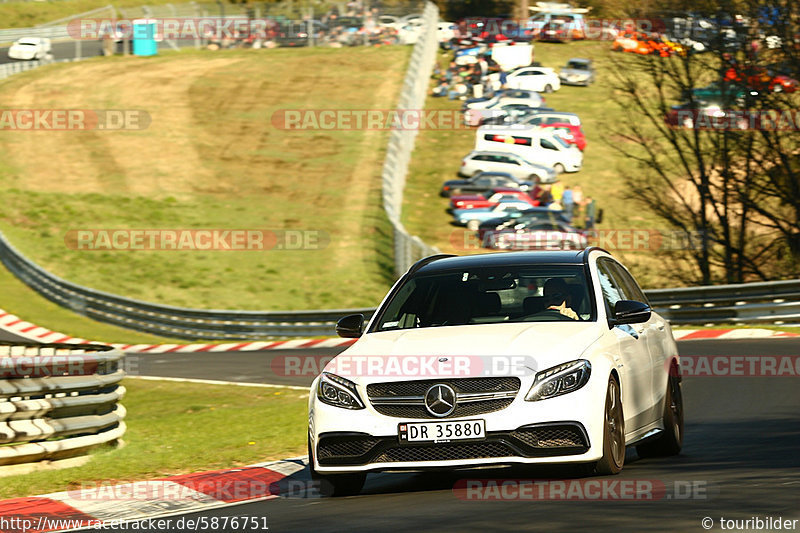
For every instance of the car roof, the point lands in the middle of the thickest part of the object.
(493, 152)
(493, 173)
(506, 259)
(579, 60)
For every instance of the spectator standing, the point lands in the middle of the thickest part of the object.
(567, 200)
(557, 190)
(546, 198)
(591, 212)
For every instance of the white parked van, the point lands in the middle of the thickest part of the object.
(537, 145)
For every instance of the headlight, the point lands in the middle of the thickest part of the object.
(559, 380)
(338, 392)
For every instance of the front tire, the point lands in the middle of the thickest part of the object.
(548, 88)
(333, 485)
(613, 433)
(559, 168)
(670, 441)
(473, 225)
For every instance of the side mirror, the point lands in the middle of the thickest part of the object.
(630, 312)
(350, 327)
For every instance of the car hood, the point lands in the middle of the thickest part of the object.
(540, 345)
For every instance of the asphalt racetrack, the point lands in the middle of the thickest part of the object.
(740, 460)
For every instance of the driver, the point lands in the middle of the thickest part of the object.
(558, 298)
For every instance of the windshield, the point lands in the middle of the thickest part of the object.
(578, 65)
(489, 295)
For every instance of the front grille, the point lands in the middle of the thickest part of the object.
(415, 409)
(564, 436)
(418, 388)
(444, 452)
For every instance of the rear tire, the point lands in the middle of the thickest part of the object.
(613, 433)
(333, 485)
(559, 168)
(548, 88)
(670, 442)
(473, 225)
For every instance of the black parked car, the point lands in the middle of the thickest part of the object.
(483, 182)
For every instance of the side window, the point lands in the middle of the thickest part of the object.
(507, 160)
(481, 158)
(483, 182)
(611, 290)
(544, 143)
(629, 285)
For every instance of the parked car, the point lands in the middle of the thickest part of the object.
(512, 220)
(598, 372)
(517, 115)
(489, 199)
(538, 145)
(514, 164)
(690, 114)
(501, 111)
(545, 117)
(539, 79)
(472, 218)
(483, 182)
(577, 71)
(509, 114)
(536, 235)
(719, 91)
(29, 48)
(568, 132)
(504, 97)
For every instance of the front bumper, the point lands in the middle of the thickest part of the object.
(564, 429)
(527, 442)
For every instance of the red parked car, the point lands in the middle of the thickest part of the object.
(570, 133)
(491, 199)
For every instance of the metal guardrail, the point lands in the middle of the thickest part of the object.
(9, 69)
(771, 302)
(408, 248)
(168, 320)
(58, 400)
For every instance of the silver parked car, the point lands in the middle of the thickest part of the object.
(578, 71)
(517, 166)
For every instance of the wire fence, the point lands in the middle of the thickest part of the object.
(408, 248)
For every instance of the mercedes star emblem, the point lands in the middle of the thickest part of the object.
(440, 400)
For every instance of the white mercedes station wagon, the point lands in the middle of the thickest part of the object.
(498, 359)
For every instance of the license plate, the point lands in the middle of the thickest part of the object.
(441, 431)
